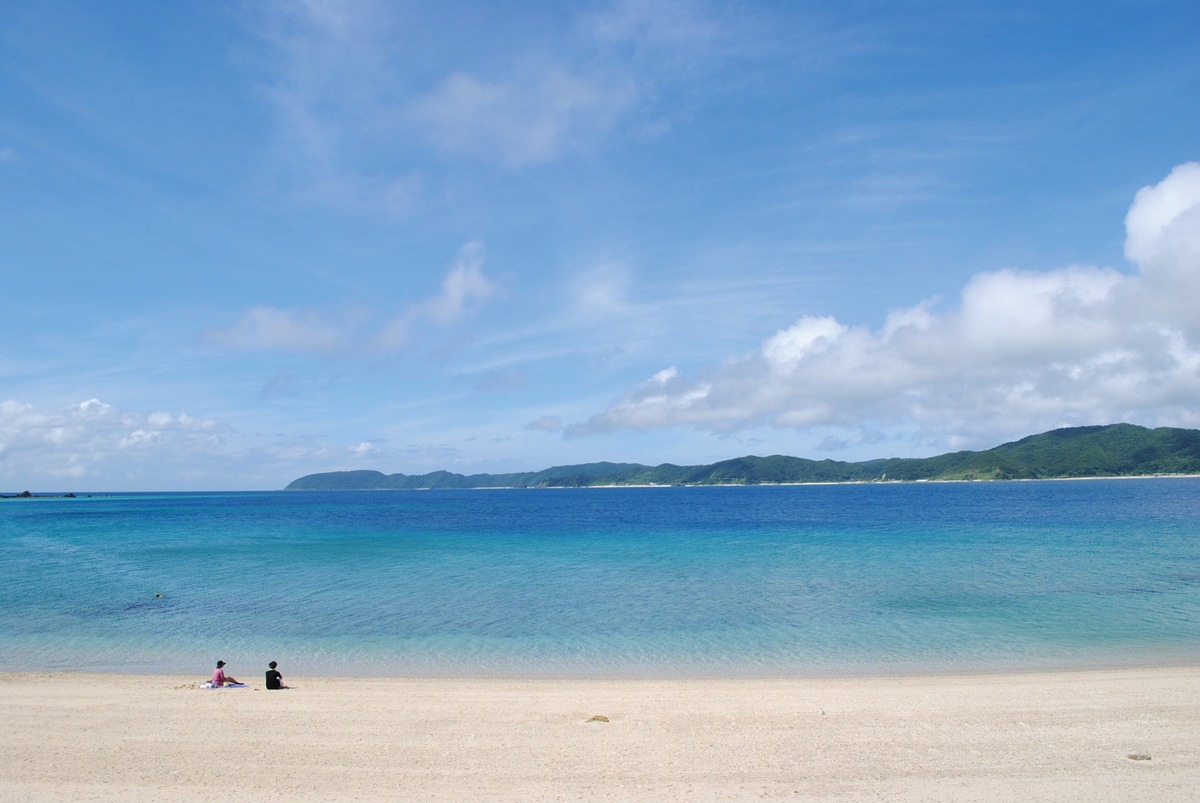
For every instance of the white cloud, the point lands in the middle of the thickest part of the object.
(1018, 315)
(807, 336)
(526, 120)
(364, 449)
(1162, 225)
(655, 22)
(1024, 350)
(90, 438)
(265, 328)
(95, 446)
(463, 291)
(601, 293)
(353, 112)
(1163, 238)
(545, 423)
(332, 81)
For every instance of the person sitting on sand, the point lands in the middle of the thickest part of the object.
(274, 679)
(219, 677)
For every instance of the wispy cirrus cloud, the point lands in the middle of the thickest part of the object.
(267, 328)
(464, 289)
(355, 119)
(1023, 349)
(658, 25)
(334, 82)
(545, 423)
(264, 328)
(531, 118)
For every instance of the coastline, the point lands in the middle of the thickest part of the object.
(1003, 736)
(44, 495)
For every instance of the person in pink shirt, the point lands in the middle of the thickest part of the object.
(219, 677)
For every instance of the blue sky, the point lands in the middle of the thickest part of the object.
(243, 242)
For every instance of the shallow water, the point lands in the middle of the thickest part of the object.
(842, 579)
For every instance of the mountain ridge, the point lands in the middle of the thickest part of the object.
(1113, 450)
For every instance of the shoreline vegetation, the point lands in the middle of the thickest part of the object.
(1103, 735)
(1095, 452)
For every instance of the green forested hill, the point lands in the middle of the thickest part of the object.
(1117, 450)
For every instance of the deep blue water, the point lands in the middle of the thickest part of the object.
(797, 580)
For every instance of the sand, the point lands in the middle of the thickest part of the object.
(1049, 736)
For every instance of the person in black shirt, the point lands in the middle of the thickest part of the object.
(274, 679)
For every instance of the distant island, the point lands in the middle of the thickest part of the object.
(1117, 450)
(28, 495)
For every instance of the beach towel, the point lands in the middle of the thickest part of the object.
(208, 685)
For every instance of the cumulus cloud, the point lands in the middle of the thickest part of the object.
(1163, 239)
(96, 446)
(363, 449)
(86, 439)
(1162, 225)
(463, 290)
(1022, 350)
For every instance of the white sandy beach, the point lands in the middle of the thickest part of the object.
(1053, 736)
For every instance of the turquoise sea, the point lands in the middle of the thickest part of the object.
(711, 581)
